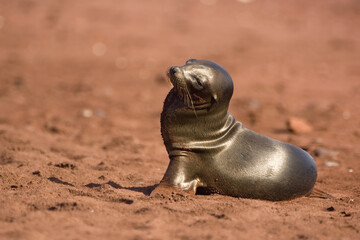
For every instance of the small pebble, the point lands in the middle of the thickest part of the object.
(321, 152)
(100, 113)
(298, 125)
(330, 209)
(350, 170)
(139, 182)
(36, 173)
(87, 113)
(346, 214)
(332, 164)
(254, 104)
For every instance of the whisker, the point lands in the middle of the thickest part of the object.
(184, 94)
(192, 103)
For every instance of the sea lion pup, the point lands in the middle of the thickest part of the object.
(208, 148)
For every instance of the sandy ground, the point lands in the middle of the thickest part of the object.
(82, 85)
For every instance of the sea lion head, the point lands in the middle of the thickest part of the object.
(201, 84)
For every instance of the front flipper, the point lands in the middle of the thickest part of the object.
(181, 174)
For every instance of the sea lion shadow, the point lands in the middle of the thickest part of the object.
(146, 190)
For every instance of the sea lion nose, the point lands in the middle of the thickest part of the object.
(173, 70)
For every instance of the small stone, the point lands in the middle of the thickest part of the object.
(87, 113)
(330, 209)
(36, 173)
(254, 104)
(346, 214)
(350, 170)
(331, 164)
(139, 182)
(298, 125)
(100, 113)
(322, 152)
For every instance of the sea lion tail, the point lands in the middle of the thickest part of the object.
(317, 193)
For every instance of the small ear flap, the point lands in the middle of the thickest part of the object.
(213, 101)
(191, 60)
(215, 98)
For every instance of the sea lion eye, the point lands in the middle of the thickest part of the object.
(198, 81)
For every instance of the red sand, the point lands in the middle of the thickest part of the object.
(81, 90)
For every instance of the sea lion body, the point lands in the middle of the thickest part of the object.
(208, 148)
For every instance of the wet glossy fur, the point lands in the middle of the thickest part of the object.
(208, 148)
